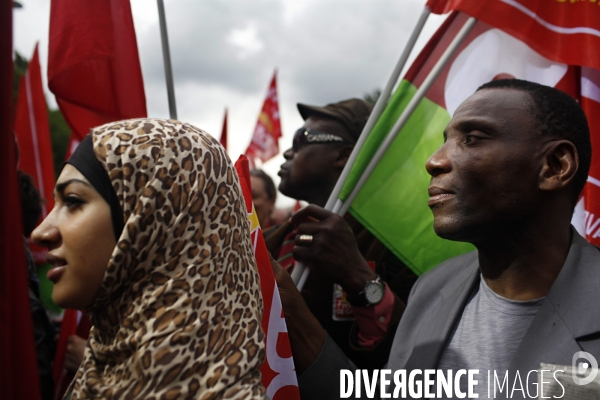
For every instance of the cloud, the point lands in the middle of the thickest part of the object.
(224, 53)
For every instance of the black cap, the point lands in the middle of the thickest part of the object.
(352, 113)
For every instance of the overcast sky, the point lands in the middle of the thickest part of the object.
(224, 53)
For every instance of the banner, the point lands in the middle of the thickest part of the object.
(19, 377)
(93, 64)
(265, 141)
(393, 202)
(33, 133)
(565, 31)
(278, 371)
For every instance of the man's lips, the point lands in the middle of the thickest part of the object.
(439, 195)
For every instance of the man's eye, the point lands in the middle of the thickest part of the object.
(470, 139)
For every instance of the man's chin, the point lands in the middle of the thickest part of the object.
(450, 231)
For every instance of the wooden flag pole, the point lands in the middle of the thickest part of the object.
(167, 60)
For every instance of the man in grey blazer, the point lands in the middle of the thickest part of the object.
(515, 159)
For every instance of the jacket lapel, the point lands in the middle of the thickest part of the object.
(569, 312)
(436, 327)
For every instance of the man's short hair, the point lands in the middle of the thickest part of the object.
(558, 115)
(269, 185)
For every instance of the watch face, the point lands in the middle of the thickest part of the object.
(374, 292)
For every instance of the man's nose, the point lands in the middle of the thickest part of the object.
(47, 233)
(439, 162)
(288, 154)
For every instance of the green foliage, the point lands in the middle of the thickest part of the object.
(60, 132)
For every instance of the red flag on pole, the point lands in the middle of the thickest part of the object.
(264, 144)
(18, 369)
(33, 133)
(564, 31)
(278, 371)
(223, 139)
(93, 64)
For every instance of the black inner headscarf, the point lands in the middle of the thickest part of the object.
(84, 159)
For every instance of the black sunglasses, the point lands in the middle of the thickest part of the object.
(306, 136)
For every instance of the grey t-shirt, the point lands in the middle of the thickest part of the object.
(487, 336)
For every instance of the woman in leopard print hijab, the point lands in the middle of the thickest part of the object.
(178, 307)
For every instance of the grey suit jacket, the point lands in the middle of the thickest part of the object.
(568, 321)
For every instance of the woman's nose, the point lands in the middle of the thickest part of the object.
(47, 233)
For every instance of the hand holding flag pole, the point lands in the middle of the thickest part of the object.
(300, 273)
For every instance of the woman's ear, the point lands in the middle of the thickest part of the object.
(342, 156)
(560, 165)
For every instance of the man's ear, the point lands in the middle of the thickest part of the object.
(342, 156)
(560, 164)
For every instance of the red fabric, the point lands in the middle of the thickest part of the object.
(18, 369)
(278, 371)
(373, 321)
(564, 31)
(74, 323)
(265, 141)
(93, 64)
(33, 133)
(223, 139)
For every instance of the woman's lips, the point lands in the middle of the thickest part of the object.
(55, 273)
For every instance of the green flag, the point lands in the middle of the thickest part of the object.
(393, 202)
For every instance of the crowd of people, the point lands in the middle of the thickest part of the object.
(149, 236)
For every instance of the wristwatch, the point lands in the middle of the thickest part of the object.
(372, 294)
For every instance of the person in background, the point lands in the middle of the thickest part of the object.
(149, 234)
(344, 256)
(264, 196)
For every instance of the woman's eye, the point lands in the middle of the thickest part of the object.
(72, 202)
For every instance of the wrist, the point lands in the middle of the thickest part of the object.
(355, 283)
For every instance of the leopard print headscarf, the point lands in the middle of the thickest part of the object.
(178, 313)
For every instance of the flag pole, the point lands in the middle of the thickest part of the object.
(410, 108)
(378, 109)
(300, 273)
(342, 207)
(167, 60)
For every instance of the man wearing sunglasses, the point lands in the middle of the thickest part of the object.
(344, 252)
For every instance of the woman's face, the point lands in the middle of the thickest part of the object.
(79, 236)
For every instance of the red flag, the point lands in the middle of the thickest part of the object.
(33, 133)
(564, 31)
(74, 322)
(278, 371)
(18, 369)
(264, 144)
(93, 64)
(223, 139)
